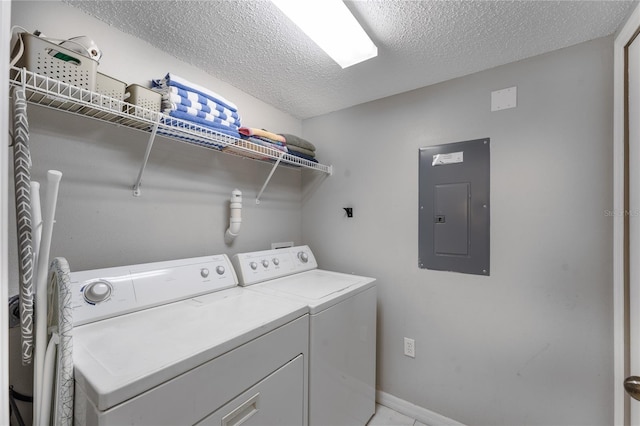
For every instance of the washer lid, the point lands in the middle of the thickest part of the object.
(314, 285)
(121, 357)
(318, 288)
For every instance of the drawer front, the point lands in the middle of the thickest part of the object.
(276, 401)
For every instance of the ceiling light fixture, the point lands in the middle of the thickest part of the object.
(332, 27)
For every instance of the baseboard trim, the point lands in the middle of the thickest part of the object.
(422, 415)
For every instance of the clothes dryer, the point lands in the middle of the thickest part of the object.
(342, 329)
(179, 343)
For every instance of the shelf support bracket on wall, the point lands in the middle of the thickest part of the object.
(152, 136)
(273, 169)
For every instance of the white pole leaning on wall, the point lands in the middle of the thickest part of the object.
(48, 219)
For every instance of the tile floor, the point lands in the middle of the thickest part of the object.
(387, 417)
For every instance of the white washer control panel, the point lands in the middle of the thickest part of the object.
(109, 292)
(259, 266)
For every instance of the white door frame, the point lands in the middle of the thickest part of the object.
(624, 37)
(5, 39)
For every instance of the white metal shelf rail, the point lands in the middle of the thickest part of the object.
(51, 93)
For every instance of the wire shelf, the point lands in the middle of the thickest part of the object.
(51, 93)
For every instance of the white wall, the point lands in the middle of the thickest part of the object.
(532, 343)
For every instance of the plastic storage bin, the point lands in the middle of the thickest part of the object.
(144, 98)
(110, 87)
(45, 58)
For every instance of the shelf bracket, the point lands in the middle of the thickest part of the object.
(152, 136)
(273, 169)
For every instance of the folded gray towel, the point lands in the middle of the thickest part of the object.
(298, 141)
(301, 150)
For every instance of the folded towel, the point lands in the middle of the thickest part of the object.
(262, 142)
(170, 98)
(230, 131)
(202, 113)
(265, 140)
(172, 80)
(208, 117)
(298, 141)
(306, 157)
(183, 136)
(250, 131)
(196, 100)
(303, 151)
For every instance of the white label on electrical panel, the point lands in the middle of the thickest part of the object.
(451, 158)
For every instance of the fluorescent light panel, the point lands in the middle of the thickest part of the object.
(330, 24)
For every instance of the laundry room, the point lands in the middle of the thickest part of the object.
(527, 338)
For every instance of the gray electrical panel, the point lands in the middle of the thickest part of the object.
(453, 230)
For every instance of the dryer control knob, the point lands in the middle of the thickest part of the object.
(204, 272)
(220, 270)
(97, 291)
(253, 265)
(304, 257)
(276, 261)
(265, 263)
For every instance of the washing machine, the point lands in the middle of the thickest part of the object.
(342, 329)
(180, 343)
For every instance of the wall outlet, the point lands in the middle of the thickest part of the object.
(409, 347)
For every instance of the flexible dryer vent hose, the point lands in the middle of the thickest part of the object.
(235, 216)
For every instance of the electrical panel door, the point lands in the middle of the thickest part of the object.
(454, 207)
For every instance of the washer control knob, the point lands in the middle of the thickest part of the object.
(276, 261)
(97, 291)
(265, 263)
(204, 272)
(304, 257)
(220, 269)
(253, 265)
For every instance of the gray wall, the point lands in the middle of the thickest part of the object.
(531, 344)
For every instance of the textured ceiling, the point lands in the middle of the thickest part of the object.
(252, 46)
